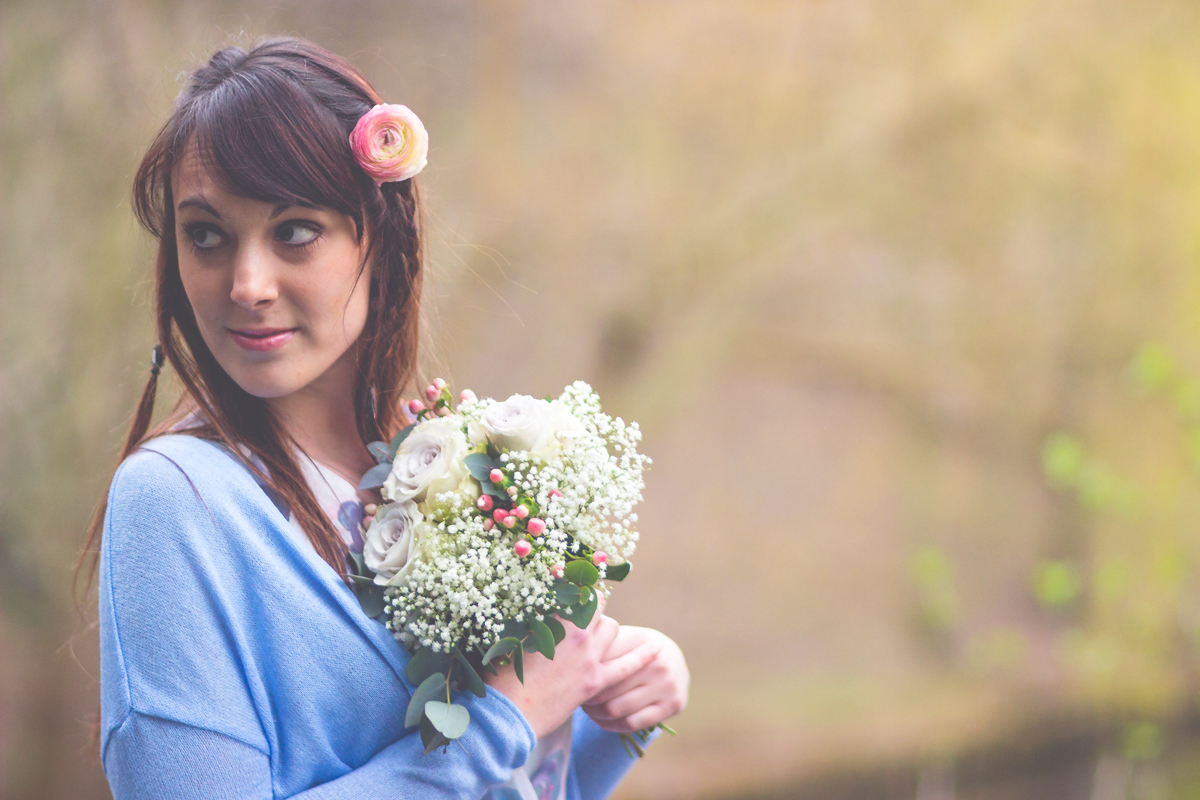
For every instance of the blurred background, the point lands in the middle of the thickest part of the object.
(905, 296)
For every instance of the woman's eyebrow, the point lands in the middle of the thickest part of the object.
(282, 207)
(200, 203)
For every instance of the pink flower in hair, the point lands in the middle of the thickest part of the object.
(390, 143)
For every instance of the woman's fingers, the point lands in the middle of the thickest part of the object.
(622, 705)
(635, 680)
(650, 715)
(618, 669)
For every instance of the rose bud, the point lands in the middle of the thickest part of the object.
(415, 406)
(509, 521)
(499, 514)
(484, 502)
(439, 384)
(521, 511)
(558, 570)
(431, 392)
(496, 476)
(537, 526)
(488, 524)
(522, 547)
(555, 493)
(599, 557)
(466, 396)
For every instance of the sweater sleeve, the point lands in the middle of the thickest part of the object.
(598, 758)
(187, 711)
(150, 757)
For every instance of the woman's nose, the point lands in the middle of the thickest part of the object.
(254, 285)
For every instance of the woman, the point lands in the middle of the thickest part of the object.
(236, 661)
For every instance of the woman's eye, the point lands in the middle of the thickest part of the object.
(294, 233)
(205, 238)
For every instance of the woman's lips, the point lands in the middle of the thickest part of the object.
(260, 339)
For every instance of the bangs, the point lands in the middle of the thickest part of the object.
(261, 136)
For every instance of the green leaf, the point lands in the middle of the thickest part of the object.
(519, 664)
(432, 688)
(471, 678)
(567, 594)
(450, 719)
(380, 451)
(617, 572)
(431, 737)
(375, 477)
(582, 614)
(494, 490)
(501, 648)
(556, 628)
(425, 662)
(357, 565)
(581, 573)
(398, 439)
(515, 629)
(543, 638)
(480, 466)
(370, 596)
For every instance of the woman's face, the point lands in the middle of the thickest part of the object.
(276, 290)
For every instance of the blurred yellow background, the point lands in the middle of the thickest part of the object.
(905, 295)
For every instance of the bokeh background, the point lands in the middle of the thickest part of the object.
(905, 294)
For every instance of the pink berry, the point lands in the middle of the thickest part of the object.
(537, 526)
(466, 396)
(496, 476)
(367, 520)
(555, 493)
(599, 557)
(415, 406)
(510, 521)
(521, 511)
(484, 503)
(523, 547)
(558, 570)
(488, 524)
(499, 514)
(439, 384)
(512, 491)
(431, 392)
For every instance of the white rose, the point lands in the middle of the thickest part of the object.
(392, 542)
(524, 423)
(429, 461)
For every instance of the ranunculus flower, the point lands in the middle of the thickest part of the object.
(429, 461)
(393, 541)
(525, 423)
(390, 143)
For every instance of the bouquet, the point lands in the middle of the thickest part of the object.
(500, 521)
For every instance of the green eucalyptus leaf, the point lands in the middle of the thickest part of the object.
(357, 565)
(380, 451)
(556, 628)
(431, 737)
(519, 664)
(398, 439)
(618, 572)
(501, 648)
(582, 614)
(581, 573)
(543, 638)
(567, 594)
(375, 476)
(370, 596)
(432, 688)
(480, 465)
(471, 678)
(451, 719)
(515, 629)
(425, 662)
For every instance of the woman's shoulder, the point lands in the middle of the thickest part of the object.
(172, 477)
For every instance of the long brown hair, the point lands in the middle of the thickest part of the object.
(273, 123)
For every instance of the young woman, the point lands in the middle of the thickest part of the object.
(236, 662)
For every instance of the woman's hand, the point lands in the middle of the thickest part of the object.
(554, 689)
(653, 694)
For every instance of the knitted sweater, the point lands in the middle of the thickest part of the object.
(236, 664)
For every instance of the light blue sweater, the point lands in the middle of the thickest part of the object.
(236, 664)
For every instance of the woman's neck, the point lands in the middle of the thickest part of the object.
(322, 420)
